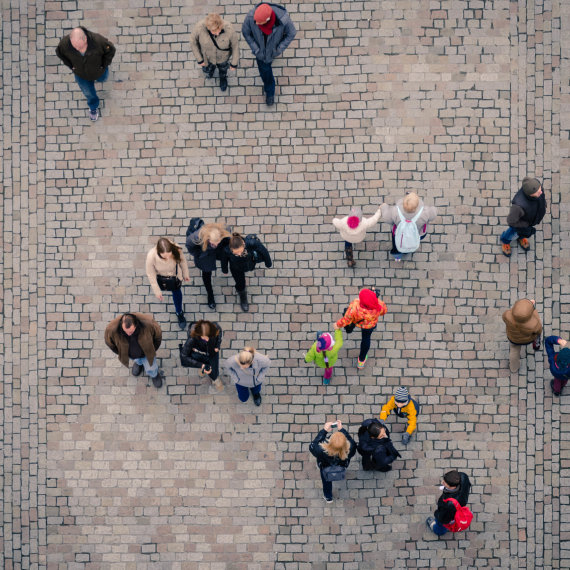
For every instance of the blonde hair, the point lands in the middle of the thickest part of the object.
(411, 202)
(245, 357)
(208, 231)
(337, 445)
(214, 21)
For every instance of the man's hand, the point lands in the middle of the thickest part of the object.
(562, 342)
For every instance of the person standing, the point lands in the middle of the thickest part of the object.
(375, 446)
(166, 267)
(268, 30)
(404, 407)
(333, 451)
(242, 255)
(324, 353)
(137, 337)
(353, 230)
(205, 245)
(202, 350)
(559, 363)
(215, 44)
(88, 55)
(523, 327)
(364, 313)
(527, 210)
(248, 369)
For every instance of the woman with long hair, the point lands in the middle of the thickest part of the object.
(205, 245)
(166, 268)
(333, 451)
(248, 369)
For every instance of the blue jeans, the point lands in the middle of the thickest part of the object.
(88, 89)
(365, 343)
(347, 245)
(151, 371)
(439, 529)
(327, 486)
(177, 299)
(267, 77)
(509, 234)
(243, 392)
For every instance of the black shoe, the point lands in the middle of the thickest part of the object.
(223, 83)
(157, 380)
(257, 399)
(243, 301)
(269, 100)
(211, 302)
(181, 320)
(137, 369)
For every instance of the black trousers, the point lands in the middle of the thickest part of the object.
(239, 278)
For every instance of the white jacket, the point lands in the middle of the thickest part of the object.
(357, 234)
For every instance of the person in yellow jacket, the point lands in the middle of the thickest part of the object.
(404, 407)
(324, 353)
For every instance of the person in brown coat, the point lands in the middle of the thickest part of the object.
(215, 44)
(136, 336)
(523, 327)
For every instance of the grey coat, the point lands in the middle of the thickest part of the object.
(250, 377)
(390, 214)
(280, 37)
(205, 50)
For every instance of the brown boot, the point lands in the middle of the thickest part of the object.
(514, 357)
(349, 257)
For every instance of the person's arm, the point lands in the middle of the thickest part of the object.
(348, 316)
(288, 37)
(234, 44)
(538, 329)
(264, 364)
(151, 273)
(224, 260)
(109, 340)
(264, 254)
(514, 219)
(59, 51)
(108, 53)
(387, 408)
(156, 335)
(186, 355)
(412, 417)
(383, 307)
(351, 441)
(315, 447)
(218, 342)
(195, 45)
(311, 355)
(389, 214)
(232, 373)
(338, 341)
(247, 33)
(549, 343)
(373, 220)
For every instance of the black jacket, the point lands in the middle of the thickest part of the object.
(377, 454)
(197, 352)
(99, 54)
(255, 252)
(204, 260)
(461, 495)
(323, 458)
(526, 212)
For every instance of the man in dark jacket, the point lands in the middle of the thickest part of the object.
(527, 210)
(559, 363)
(137, 337)
(268, 30)
(375, 446)
(455, 485)
(88, 55)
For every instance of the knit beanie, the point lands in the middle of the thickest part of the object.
(354, 218)
(325, 342)
(369, 300)
(530, 186)
(402, 395)
(563, 358)
(262, 13)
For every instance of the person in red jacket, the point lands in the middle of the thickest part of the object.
(364, 313)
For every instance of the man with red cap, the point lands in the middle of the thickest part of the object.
(268, 30)
(363, 312)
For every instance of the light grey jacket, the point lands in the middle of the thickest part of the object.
(250, 377)
(390, 214)
(205, 50)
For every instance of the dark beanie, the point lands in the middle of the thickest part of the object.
(563, 358)
(530, 186)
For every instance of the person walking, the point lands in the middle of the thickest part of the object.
(137, 337)
(375, 446)
(88, 55)
(215, 44)
(333, 451)
(404, 407)
(202, 350)
(559, 363)
(248, 369)
(324, 353)
(523, 327)
(455, 486)
(409, 219)
(364, 313)
(242, 255)
(166, 268)
(527, 210)
(268, 30)
(205, 245)
(353, 230)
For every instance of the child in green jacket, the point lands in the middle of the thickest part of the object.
(324, 353)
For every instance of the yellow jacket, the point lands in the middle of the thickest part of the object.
(408, 411)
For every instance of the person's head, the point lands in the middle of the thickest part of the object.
(563, 358)
(129, 324)
(78, 39)
(411, 202)
(325, 342)
(402, 397)
(377, 430)
(245, 357)
(167, 250)
(214, 23)
(262, 14)
(522, 310)
(204, 330)
(532, 187)
(354, 218)
(237, 244)
(368, 300)
(212, 234)
(337, 445)
(451, 479)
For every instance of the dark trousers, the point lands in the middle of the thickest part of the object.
(327, 486)
(347, 245)
(212, 362)
(222, 69)
(243, 392)
(207, 280)
(267, 77)
(365, 343)
(177, 300)
(239, 278)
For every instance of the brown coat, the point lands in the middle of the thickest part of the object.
(205, 50)
(150, 337)
(523, 322)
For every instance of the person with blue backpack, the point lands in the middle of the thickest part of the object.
(409, 219)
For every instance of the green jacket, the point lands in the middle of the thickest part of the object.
(319, 358)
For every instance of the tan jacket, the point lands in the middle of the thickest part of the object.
(357, 234)
(155, 265)
(390, 214)
(150, 337)
(523, 322)
(205, 50)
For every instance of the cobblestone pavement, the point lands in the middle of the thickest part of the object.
(456, 99)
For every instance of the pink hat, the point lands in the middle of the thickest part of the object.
(354, 218)
(325, 342)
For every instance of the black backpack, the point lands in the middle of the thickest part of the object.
(194, 225)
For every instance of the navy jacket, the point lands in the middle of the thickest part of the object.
(255, 252)
(204, 260)
(557, 372)
(323, 458)
(376, 453)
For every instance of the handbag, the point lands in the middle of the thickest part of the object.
(171, 283)
(334, 473)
